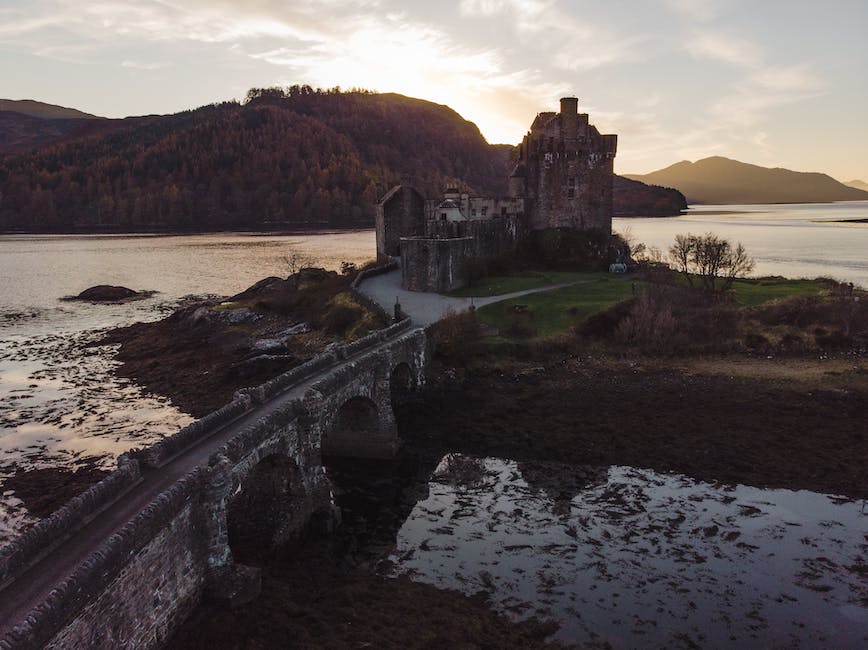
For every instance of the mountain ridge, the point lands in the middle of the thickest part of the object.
(856, 183)
(719, 180)
(43, 110)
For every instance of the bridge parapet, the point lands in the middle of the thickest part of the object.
(47, 533)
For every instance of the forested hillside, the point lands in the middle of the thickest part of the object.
(285, 158)
(635, 199)
(300, 157)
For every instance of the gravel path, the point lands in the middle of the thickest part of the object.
(428, 308)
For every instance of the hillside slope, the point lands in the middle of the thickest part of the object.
(636, 199)
(294, 158)
(42, 110)
(316, 158)
(859, 185)
(724, 181)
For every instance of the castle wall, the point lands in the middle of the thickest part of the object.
(437, 265)
(400, 213)
(490, 237)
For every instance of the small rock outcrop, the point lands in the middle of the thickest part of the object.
(110, 293)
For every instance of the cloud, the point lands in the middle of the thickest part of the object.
(793, 78)
(698, 10)
(522, 9)
(137, 65)
(720, 47)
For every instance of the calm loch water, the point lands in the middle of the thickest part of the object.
(795, 241)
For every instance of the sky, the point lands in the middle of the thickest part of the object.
(770, 82)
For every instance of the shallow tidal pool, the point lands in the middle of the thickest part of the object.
(641, 559)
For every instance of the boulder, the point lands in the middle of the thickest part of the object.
(109, 293)
(268, 346)
(259, 287)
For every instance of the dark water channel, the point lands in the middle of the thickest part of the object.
(622, 555)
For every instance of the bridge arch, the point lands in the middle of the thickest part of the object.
(262, 511)
(401, 382)
(361, 427)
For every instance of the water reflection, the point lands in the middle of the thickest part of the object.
(640, 559)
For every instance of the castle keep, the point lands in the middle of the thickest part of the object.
(564, 171)
(562, 178)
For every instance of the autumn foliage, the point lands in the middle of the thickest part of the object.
(295, 157)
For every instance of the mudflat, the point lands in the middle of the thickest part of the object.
(797, 423)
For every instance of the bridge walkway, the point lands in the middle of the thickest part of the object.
(32, 586)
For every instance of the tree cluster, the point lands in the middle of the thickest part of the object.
(296, 157)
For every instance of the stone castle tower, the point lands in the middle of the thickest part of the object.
(564, 170)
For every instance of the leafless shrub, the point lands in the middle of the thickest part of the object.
(711, 260)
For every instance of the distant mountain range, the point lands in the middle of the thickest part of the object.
(859, 185)
(724, 181)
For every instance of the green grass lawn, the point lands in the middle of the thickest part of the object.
(550, 312)
(749, 293)
(498, 285)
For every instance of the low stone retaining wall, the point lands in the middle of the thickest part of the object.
(45, 534)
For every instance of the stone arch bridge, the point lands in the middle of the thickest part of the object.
(122, 565)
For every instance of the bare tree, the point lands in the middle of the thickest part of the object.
(710, 259)
(295, 262)
(636, 250)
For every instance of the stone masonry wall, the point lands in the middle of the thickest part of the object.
(400, 213)
(565, 170)
(152, 594)
(438, 265)
(491, 237)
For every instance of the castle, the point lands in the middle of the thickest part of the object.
(562, 178)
